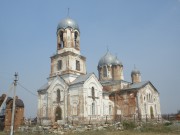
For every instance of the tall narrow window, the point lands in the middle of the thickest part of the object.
(59, 65)
(93, 93)
(58, 95)
(145, 108)
(93, 108)
(75, 39)
(104, 71)
(62, 42)
(77, 65)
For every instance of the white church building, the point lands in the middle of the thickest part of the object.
(73, 94)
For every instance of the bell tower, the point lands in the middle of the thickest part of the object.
(68, 62)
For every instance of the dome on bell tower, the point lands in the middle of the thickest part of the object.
(135, 71)
(136, 75)
(67, 22)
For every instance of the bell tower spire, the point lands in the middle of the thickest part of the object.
(68, 62)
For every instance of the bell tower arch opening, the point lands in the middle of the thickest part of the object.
(60, 40)
(76, 40)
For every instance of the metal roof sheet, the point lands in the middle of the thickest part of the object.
(44, 87)
(81, 79)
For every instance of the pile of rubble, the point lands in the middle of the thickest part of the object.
(62, 129)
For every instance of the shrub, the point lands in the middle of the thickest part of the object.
(128, 125)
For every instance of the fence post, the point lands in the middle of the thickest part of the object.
(146, 118)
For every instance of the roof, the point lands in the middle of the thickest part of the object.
(81, 79)
(43, 88)
(136, 87)
(67, 22)
(112, 82)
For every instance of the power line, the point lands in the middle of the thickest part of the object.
(26, 89)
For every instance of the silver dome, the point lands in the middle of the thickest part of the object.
(67, 22)
(117, 62)
(109, 59)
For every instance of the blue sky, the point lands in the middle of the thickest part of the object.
(142, 32)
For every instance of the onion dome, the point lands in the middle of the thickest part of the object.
(67, 22)
(135, 71)
(108, 59)
(18, 103)
(117, 62)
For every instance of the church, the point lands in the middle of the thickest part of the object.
(72, 94)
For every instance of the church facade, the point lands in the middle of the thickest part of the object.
(72, 94)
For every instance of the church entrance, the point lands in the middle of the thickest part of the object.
(151, 112)
(58, 114)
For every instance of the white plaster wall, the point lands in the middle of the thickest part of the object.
(142, 100)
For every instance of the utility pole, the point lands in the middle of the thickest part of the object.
(14, 101)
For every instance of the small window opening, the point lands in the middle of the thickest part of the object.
(59, 65)
(77, 65)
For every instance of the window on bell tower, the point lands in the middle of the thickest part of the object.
(77, 65)
(75, 39)
(62, 42)
(59, 65)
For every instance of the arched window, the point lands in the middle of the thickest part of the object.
(58, 95)
(104, 71)
(93, 93)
